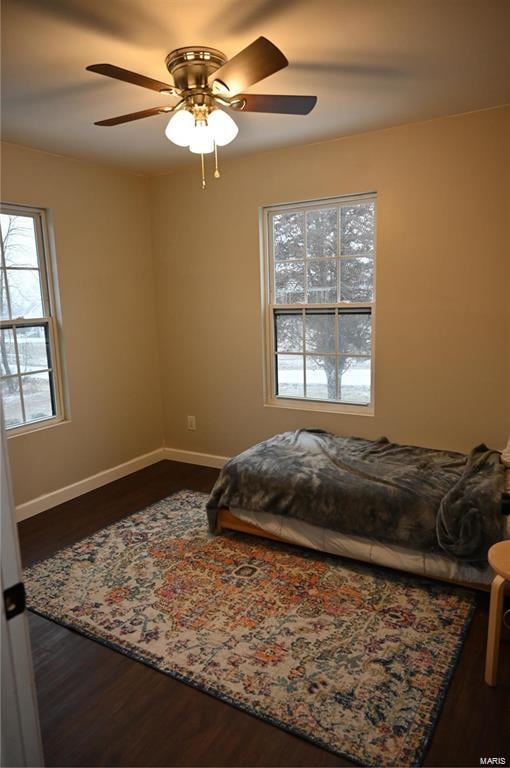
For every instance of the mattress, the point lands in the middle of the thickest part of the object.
(431, 565)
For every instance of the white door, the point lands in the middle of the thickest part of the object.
(20, 736)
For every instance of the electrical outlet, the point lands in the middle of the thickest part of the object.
(192, 422)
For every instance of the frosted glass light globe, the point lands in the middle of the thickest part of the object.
(223, 128)
(180, 127)
(201, 139)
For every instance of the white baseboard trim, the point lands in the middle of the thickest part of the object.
(192, 457)
(49, 500)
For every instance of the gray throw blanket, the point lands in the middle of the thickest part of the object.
(419, 498)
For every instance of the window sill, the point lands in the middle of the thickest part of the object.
(320, 407)
(36, 426)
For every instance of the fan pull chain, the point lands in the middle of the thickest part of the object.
(216, 169)
(203, 171)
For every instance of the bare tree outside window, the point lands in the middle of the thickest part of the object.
(26, 343)
(321, 274)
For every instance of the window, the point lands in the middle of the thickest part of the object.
(28, 349)
(319, 303)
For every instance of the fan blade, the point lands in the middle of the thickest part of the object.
(134, 116)
(284, 105)
(259, 60)
(109, 70)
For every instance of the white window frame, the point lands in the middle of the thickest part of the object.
(271, 399)
(48, 319)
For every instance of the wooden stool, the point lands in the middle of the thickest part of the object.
(499, 559)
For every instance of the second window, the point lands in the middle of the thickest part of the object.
(320, 300)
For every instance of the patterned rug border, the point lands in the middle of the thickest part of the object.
(392, 574)
(436, 711)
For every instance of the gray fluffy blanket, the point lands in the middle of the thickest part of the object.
(419, 498)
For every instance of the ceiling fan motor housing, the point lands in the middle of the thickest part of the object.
(205, 81)
(192, 66)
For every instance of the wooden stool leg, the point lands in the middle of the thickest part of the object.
(494, 632)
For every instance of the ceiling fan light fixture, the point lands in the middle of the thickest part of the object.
(224, 129)
(201, 139)
(180, 127)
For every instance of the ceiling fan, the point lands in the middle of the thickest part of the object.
(205, 81)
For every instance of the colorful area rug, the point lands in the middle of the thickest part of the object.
(351, 657)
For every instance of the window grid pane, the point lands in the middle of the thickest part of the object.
(34, 348)
(355, 379)
(19, 240)
(322, 377)
(24, 287)
(290, 376)
(17, 370)
(289, 282)
(289, 236)
(5, 305)
(8, 363)
(11, 398)
(322, 233)
(357, 229)
(38, 395)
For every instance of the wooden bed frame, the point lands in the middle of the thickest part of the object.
(227, 521)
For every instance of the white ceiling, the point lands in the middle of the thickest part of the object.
(372, 63)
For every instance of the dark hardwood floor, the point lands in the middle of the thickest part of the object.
(100, 708)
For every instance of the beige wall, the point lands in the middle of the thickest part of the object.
(443, 275)
(443, 324)
(103, 251)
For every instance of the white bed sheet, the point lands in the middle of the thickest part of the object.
(355, 547)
